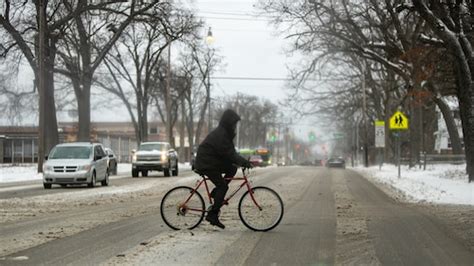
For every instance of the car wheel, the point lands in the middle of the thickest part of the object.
(115, 170)
(145, 173)
(93, 181)
(167, 172)
(175, 171)
(46, 186)
(134, 173)
(105, 182)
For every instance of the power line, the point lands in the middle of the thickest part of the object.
(273, 79)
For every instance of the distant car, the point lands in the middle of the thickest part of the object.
(256, 160)
(112, 161)
(282, 163)
(155, 156)
(76, 163)
(336, 162)
(318, 162)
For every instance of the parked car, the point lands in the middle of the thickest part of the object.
(76, 163)
(111, 161)
(336, 162)
(256, 160)
(155, 156)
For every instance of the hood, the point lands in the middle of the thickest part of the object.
(67, 162)
(229, 121)
(153, 152)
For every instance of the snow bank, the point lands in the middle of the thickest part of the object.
(9, 173)
(446, 184)
(28, 172)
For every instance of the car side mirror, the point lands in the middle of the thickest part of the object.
(133, 151)
(97, 157)
(111, 156)
(46, 157)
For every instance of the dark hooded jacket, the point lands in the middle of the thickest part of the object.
(217, 150)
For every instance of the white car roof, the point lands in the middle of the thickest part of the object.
(75, 144)
(155, 142)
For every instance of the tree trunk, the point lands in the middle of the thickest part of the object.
(466, 108)
(84, 112)
(181, 132)
(450, 124)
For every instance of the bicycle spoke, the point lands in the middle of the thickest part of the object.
(180, 211)
(267, 216)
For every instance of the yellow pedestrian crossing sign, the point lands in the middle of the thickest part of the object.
(398, 121)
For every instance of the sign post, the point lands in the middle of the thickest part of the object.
(380, 141)
(398, 122)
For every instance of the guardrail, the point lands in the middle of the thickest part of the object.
(436, 159)
(442, 159)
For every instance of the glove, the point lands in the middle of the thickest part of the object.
(248, 164)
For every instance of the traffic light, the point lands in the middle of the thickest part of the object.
(312, 136)
(273, 136)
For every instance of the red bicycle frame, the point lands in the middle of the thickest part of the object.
(245, 183)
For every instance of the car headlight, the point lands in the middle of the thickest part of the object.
(86, 167)
(134, 158)
(164, 157)
(47, 168)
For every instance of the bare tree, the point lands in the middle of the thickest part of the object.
(87, 40)
(452, 25)
(136, 58)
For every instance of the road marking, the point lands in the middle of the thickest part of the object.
(15, 258)
(18, 188)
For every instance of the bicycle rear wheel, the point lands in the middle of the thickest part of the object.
(265, 218)
(181, 208)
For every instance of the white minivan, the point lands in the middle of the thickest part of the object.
(76, 163)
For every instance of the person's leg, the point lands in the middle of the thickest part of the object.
(230, 171)
(219, 194)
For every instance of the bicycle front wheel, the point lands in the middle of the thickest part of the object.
(181, 208)
(263, 212)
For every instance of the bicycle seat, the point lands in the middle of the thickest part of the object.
(199, 172)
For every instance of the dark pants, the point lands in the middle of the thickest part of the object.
(221, 184)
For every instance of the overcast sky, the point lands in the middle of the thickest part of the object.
(250, 48)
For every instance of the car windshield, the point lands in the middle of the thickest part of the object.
(71, 152)
(152, 147)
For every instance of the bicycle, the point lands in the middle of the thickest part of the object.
(260, 208)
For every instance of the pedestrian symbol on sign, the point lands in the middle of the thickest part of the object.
(398, 121)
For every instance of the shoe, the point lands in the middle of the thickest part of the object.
(214, 220)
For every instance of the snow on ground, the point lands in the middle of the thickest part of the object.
(28, 172)
(444, 183)
(9, 173)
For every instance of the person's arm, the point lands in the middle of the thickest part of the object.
(227, 150)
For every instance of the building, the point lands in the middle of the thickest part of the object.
(20, 144)
(442, 141)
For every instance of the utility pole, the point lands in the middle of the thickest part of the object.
(364, 107)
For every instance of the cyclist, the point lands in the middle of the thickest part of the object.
(216, 155)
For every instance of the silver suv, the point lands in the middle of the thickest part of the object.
(76, 163)
(158, 156)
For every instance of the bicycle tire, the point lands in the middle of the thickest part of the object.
(177, 217)
(248, 210)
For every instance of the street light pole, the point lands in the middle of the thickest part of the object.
(209, 41)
